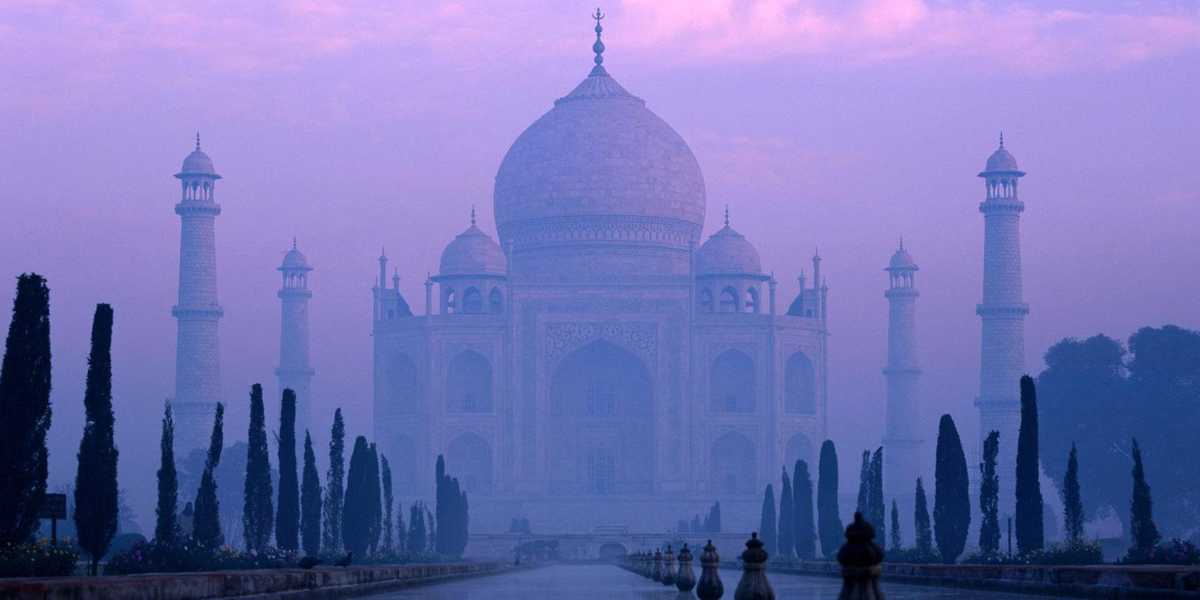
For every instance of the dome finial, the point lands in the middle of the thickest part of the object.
(598, 47)
(197, 140)
(727, 215)
(293, 242)
(472, 215)
(901, 242)
(1001, 138)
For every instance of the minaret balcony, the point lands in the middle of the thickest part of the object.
(1001, 206)
(1010, 310)
(197, 313)
(197, 209)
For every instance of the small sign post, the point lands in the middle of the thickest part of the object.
(54, 508)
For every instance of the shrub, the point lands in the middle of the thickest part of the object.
(1079, 552)
(1172, 552)
(151, 557)
(912, 555)
(38, 559)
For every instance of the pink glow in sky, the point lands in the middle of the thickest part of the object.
(353, 125)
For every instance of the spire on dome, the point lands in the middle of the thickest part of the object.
(197, 140)
(472, 215)
(1001, 138)
(598, 47)
(901, 242)
(727, 215)
(294, 243)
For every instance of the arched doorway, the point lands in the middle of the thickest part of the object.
(732, 465)
(469, 383)
(469, 458)
(799, 448)
(600, 430)
(403, 389)
(731, 383)
(799, 385)
(403, 462)
(612, 552)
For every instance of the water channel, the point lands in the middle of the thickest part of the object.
(598, 581)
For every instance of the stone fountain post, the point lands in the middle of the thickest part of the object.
(710, 587)
(860, 557)
(754, 584)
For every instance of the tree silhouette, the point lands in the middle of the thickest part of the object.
(166, 526)
(1072, 500)
(206, 523)
(989, 496)
(96, 497)
(951, 499)
(829, 522)
(287, 517)
(257, 511)
(335, 485)
(802, 497)
(310, 502)
(1030, 531)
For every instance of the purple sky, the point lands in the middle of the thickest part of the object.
(352, 124)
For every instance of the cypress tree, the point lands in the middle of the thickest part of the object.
(989, 496)
(96, 503)
(441, 504)
(1072, 501)
(1141, 512)
(802, 498)
(464, 519)
(767, 529)
(374, 507)
(206, 523)
(1030, 534)
(401, 530)
(25, 406)
(166, 526)
(714, 516)
(951, 495)
(257, 511)
(287, 517)
(433, 528)
(863, 505)
(877, 505)
(416, 529)
(388, 546)
(335, 485)
(787, 529)
(922, 534)
(829, 522)
(356, 513)
(310, 502)
(895, 525)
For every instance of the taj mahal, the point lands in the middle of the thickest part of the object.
(601, 361)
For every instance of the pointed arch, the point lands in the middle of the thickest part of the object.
(472, 301)
(469, 383)
(403, 385)
(729, 300)
(732, 383)
(800, 385)
(495, 301)
(469, 458)
(706, 300)
(732, 465)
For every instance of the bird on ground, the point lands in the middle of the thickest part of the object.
(309, 562)
(345, 560)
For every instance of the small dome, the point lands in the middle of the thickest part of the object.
(473, 252)
(1001, 160)
(727, 252)
(295, 260)
(902, 260)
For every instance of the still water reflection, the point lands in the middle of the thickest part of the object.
(588, 582)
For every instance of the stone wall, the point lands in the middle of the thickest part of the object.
(291, 584)
(1088, 581)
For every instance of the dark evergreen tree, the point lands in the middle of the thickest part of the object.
(1030, 532)
(787, 529)
(356, 514)
(923, 533)
(895, 525)
(206, 521)
(877, 505)
(767, 528)
(713, 522)
(388, 544)
(1141, 512)
(335, 485)
(25, 407)
(1072, 501)
(433, 529)
(802, 498)
(416, 530)
(829, 522)
(951, 496)
(257, 510)
(374, 505)
(863, 505)
(310, 502)
(96, 502)
(287, 516)
(441, 505)
(166, 527)
(401, 530)
(989, 496)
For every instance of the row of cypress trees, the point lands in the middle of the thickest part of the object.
(791, 532)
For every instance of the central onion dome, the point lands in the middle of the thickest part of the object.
(598, 170)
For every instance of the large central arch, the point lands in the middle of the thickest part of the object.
(600, 429)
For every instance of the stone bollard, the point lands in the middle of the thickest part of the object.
(860, 557)
(668, 574)
(656, 571)
(685, 580)
(754, 584)
(710, 587)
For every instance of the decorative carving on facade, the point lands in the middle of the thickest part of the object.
(640, 338)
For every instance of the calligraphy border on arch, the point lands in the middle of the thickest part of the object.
(639, 338)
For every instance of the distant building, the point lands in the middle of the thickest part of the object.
(295, 371)
(600, 365)
(902, 440)
(1002, 312)
(197, 314)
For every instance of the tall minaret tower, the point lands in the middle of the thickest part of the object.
(197, 359)
(1003, 313)
(902, 441)
(295, 372)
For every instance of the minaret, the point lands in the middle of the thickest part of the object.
(295, 372)
(902, 441)
(197, 357)
(1003, 313)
